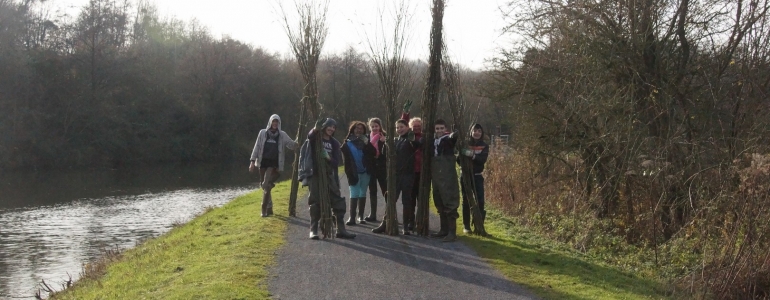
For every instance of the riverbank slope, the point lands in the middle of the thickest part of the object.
(222, 254)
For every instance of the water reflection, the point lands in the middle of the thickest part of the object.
(49, 227)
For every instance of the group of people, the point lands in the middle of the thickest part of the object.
(363, 155)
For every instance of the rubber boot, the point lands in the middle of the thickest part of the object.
(269, 203)
(353, 205)
(443, 231)
(264, 204)
(341, 232)
(315, 216)
(451, 230)
(361, 206)
(373, 210)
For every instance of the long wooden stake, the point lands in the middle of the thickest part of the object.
(429, 103)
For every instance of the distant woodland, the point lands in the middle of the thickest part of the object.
(118, 85)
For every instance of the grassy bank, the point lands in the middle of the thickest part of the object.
(552, 270)
(222, 254)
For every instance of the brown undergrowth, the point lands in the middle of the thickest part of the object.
(718, 249)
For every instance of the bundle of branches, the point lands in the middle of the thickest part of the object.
(390, 65)
(430, 98)
(454, 93)
(306, 41)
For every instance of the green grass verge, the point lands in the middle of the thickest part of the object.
(552, 270)
(223, 254)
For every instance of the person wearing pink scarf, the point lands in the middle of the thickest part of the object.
(379, 175)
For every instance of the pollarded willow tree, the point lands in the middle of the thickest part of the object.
(386, 50)
(430, 99)
(306, 37)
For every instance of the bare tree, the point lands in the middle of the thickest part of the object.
(387, 53)
(307, 40)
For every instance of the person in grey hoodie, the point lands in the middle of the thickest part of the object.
(268, 157)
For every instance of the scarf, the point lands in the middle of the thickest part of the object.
(375, 140)
(273, 135)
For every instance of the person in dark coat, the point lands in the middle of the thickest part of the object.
(478, 151)
(333, 157)
(379, 174)
(359, 165)
(405, 147)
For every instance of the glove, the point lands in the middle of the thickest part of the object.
(407, 105)
(319, 124)
(325, 155)
(410, 136)
(467, 152)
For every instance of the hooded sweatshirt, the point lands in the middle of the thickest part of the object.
(480, 150)
(284, 141)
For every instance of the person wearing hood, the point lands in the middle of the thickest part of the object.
(268, 157)
(478, 151)
(332, 157)
(359, 166)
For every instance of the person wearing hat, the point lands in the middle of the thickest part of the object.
(268, 157)
(332, 157)
(478, 151)
(359, 166)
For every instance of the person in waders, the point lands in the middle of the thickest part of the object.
(268, 157)
(478, 151)
(359, 165)
(446, 192)
(380, 172)
(405, 147)
(333, 158)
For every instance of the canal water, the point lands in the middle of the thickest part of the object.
(51, 223)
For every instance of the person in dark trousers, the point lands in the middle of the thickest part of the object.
(268, 157)
(478, 151)
(415, 124)
(379, 174)
(446, 192)
(332, 157)
(359, 165)
(405, 146)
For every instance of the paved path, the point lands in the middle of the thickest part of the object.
(378, 266)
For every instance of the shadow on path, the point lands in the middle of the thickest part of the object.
(376, 266)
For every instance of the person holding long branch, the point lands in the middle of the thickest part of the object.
(405, 146)
(478, 151)
(415, 125)
(446, 191)
(332, 157)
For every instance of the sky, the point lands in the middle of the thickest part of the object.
(472, 27)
